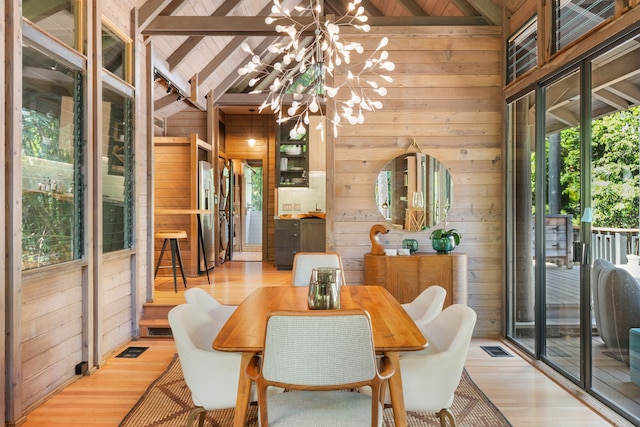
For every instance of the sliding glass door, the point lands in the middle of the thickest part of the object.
(574, 160)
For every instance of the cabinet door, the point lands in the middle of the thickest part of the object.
(437, 270)
(287, 242)
(312, 235)
(292, 157)
(403, 277)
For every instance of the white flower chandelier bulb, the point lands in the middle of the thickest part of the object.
(304, 67)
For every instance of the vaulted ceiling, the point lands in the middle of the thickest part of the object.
(197, 44)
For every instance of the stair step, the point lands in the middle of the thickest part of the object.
(156, 311)
(150, 328)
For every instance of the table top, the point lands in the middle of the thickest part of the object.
(393, 329)
(179, 211)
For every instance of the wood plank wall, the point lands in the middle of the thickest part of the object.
(52, 331)
(447, 94)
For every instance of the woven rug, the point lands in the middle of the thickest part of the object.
(167, 403)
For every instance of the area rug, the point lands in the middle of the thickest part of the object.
(167, 403)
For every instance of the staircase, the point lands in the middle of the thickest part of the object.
(155, 322)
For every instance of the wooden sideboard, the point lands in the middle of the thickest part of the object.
(406, 276)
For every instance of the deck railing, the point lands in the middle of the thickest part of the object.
(614, 244)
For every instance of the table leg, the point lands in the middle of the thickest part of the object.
(244, 392)
(395, 389)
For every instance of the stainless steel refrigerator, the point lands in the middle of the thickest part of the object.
(206, 201)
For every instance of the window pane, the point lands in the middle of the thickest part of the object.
(50, 203)
(574, 18)
(116, 171)
(57, 17)
(113, 49)
(522, 52)
(522, 179)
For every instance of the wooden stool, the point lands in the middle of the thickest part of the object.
(172, 236)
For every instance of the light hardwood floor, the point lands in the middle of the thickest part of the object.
(523, 393)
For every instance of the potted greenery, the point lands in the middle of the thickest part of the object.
(443, 240)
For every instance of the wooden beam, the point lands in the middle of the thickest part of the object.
(488, 9)
(231, 78)
(614, 100)
(255, 25)
(465, 7)
(188, 45)
(412, 7)
(628, 90)
(149, 10)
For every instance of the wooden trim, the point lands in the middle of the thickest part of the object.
(10, 300)
(255, 25)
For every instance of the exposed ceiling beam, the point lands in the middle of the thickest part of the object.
(612, 99)
(232, 78)
(255, 26)
(413, 7)
(465, 7)
(565, 116)
(628, 90)
(488, 9)
(154, 8)
(165, 101)
(189, 44)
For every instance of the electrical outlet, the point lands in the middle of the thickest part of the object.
(296, 207)
(286, 207)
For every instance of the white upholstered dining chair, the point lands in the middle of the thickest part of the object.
(320, 355)
(305, 262)
(430, 379)
(212, 376)
(209, 304)
(426, 306)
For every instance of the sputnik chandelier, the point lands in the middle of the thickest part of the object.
(301, 67)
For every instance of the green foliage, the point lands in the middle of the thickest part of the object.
(615, 174)
(40, 137)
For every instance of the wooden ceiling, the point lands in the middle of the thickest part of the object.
(200, 41)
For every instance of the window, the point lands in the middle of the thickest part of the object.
(52, 99)
(522, 51)
(117, 147)
(59, 18)
(113, 52)
(573, 18)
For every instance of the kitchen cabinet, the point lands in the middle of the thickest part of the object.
(292, 156)
(405, 277)
(298, 235)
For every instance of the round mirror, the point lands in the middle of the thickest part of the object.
(413, 191)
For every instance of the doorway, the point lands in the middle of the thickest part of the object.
(248, 210)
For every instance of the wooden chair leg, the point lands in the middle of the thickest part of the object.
(444, 415)
(198, 412)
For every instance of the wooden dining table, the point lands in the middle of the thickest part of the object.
(393, 331)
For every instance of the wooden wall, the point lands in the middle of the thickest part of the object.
(447, 94)
(52, 331)
(176, 186)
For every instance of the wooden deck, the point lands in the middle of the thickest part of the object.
(611, 377)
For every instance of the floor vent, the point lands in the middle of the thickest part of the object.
(159, 332)
(132, 352)
(495, 351)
